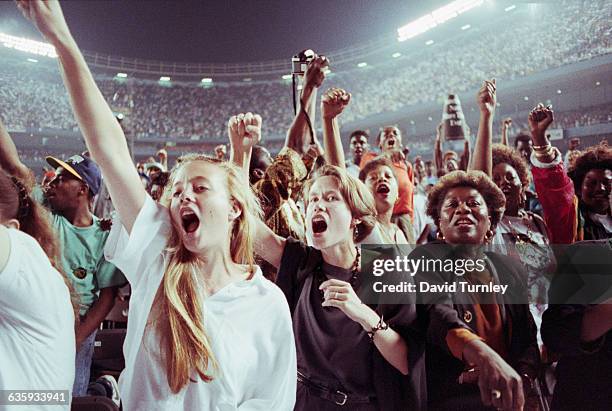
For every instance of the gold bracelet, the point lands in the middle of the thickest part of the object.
(547, 157)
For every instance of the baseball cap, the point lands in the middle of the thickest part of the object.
(149, 166)
(83, 168)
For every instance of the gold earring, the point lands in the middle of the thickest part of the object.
(439, 235)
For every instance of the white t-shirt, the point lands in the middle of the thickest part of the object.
(248, 323)
(37, 343)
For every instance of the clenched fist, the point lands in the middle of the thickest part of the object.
(487, 97)
(539, 119)
(315, 72)
(334, 101)
(244, 130)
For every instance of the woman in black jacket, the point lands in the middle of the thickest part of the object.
(487, 361)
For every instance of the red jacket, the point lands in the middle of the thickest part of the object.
(556, 194)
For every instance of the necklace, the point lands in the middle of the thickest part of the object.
(520, 237)
(320, 277)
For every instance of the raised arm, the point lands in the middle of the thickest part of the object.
(555, 189)
(506, 123)
(438, 149)
(482, 158)
(9, 157)
(244, 131)
(298, 136)
(332, 104)
(103, 135)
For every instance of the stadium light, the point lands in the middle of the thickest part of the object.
(467, 26)
(396, 55)
(164, 78)
(32, 60)
(558, 91)
(362, 64)
(206, 80)
(597, 83)
(27, 45)
(526, 98)
(247, 79)
(286, 77)
(122, 75)
(429, 42)
(436, 17)
(510, 8)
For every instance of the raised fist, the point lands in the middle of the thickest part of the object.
(315, 73)
(539, 119)
(47, 16)
(244, 130)
(334, 101)
(506, 123)
(486, 97)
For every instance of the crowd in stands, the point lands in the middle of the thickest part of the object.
(247, 281)
(524, 47)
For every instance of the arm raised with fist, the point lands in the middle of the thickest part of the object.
(487, 99)
(333, 103)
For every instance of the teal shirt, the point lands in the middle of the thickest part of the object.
(83, 260)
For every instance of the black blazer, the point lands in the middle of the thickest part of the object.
(443, 369)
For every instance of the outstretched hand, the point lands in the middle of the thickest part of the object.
(487, 97)
(540, 118)
(244, 131)
(47, 16)
(334, 101)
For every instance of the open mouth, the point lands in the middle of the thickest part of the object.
(319, 225)
(464, 222)
(190, 222)
(382, 188)
(391, 143)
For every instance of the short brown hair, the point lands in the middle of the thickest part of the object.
(493, 196)
(373, 165)
(597, 157)
(505, 154)
(355, 193)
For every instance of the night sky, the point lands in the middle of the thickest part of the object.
(224, 31)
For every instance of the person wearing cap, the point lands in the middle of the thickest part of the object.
(82, 236)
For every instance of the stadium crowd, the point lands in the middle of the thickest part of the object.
(249, 275)
(188, 110)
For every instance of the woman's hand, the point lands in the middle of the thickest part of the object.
(244, 131)
(340, 294)
(540, 118)
(500, 385)
(47, 16)
(334, 101)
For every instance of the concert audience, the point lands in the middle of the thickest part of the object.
(246, 268)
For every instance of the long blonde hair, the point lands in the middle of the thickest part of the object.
(185, 342)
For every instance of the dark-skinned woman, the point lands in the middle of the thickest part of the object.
(486, 362)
